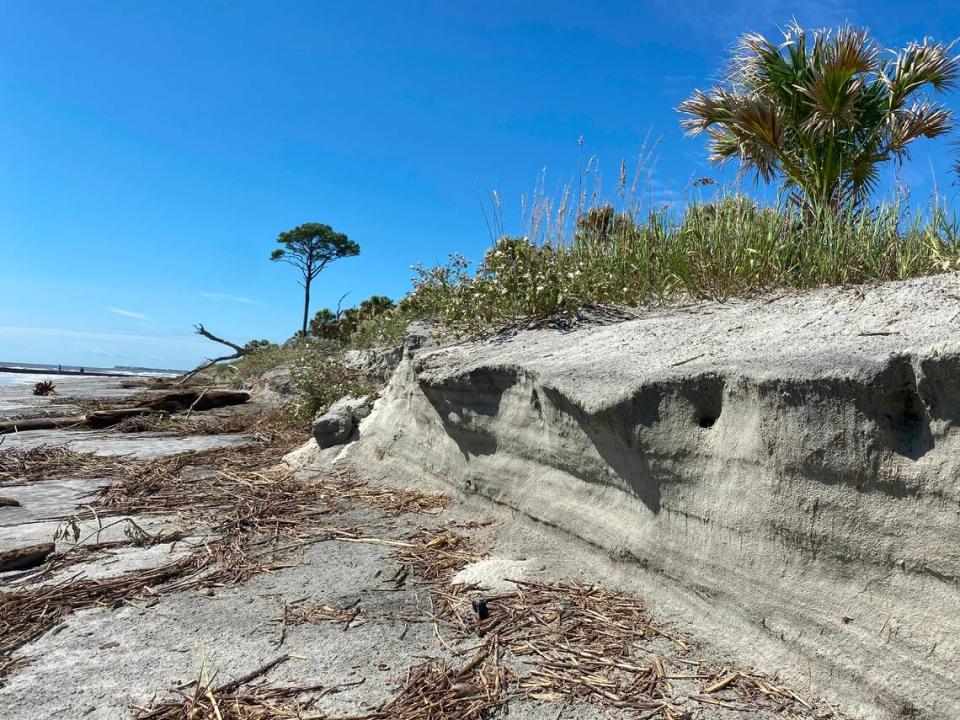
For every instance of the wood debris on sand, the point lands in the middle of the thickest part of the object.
(253, 512)
(568, 642)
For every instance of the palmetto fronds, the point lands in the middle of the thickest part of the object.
(823, 110)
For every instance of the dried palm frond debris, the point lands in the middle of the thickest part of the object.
(83, 549)
(270, 703)
(8, 665)
(44, 388)
(206, 423)
(45, 462)
(308, 611)
(569, 642)
(270, 436)
(575, 642)
(256, 517)
(25, 614)
(87, 404)
(231, 702)
(347, 483)
(434, 691)
(436, 554)
(254, 514)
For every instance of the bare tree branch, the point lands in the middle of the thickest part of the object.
(340, 302)
(201, 330)
(210, 336)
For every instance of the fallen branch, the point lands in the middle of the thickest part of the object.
(238, 353)
(24, 557)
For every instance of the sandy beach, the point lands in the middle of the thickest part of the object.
(193, 566)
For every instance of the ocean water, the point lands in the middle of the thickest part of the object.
(117, 370)
(10, 379)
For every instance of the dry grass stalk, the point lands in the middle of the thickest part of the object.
(309, 612)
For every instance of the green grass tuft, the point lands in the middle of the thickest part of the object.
(731, 248)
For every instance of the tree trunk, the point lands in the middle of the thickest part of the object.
(306, 305)
(44, 423)
(24, 558)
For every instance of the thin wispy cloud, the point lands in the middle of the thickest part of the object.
(127, 313)
(224, 297)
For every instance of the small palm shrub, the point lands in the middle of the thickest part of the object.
(823, 111)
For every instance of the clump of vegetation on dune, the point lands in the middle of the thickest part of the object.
(729, 248)
(733, 247)
(629, 254)
(317, 372)
(819, 114)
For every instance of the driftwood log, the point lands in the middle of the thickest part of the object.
(108, 418)
(43, 423)
(198, 400)
(170, 403)
(24, 558)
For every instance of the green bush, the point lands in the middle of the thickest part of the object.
(341, 326)
(731, 247)
(320, 380)
(708, 251)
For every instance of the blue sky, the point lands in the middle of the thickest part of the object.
(150, 152)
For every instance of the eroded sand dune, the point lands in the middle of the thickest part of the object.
(782, 473)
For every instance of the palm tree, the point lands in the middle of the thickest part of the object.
(823, 111)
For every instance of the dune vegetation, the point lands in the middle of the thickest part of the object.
(820, 115)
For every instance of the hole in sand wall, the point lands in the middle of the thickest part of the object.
(705, 396)
(906, 415)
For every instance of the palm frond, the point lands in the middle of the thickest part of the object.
(918, 65)
(833, 94)
(758, 65)
(922, 119)
(862, 178)
(723, 146)
(853, 51)
(706, 110)
(820, 111)
(758, 119)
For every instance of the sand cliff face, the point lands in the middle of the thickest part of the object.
(787, 472)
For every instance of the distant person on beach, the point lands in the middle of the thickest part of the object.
(81, 371)
(59, 369)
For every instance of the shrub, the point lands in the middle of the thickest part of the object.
(320, 380)
(823, 111)
(341, 326)
(732, 247)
